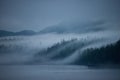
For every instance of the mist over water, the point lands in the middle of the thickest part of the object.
(21, 49)
(59, 39)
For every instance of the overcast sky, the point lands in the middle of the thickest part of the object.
(16, 15)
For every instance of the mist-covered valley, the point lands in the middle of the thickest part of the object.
(59, 39)
(33, 49)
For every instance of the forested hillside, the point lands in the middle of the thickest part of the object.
(109, 54)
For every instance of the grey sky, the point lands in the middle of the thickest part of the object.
(18, 15)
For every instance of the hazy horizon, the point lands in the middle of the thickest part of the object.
(17, 15)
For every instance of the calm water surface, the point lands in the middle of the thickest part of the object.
(56, 72)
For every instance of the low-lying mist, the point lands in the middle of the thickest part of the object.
(21, 49)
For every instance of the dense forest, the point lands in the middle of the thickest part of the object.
(109, 54)
(60, 50)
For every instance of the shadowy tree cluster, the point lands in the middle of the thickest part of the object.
(109, 54)
(60, 50)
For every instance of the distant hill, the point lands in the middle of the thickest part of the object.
(73, 27)
(76, 27)
(26, 32)
(66, 27)
(4, 33)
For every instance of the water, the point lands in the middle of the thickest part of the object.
(56, 72)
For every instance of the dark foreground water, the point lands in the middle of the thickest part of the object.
(56, 72)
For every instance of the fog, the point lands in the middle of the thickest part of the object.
(21, 49)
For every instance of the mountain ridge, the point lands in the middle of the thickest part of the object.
(4, 33)
(71, 27)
